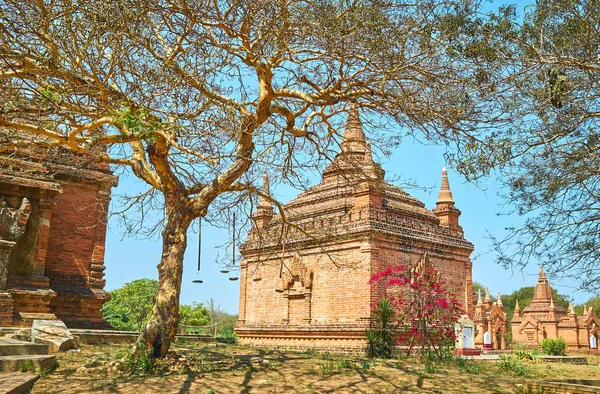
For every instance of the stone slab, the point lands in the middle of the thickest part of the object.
(54, 333)
(17, 383)
(95, 337)
(34, 363)
(571, 386)
(15, 347)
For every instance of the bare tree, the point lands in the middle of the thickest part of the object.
(548, 155)
(196, 98)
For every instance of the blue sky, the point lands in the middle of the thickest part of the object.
(128, 259)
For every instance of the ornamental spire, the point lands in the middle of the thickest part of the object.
(479, 301)
(445, 195)
(517, 305)
(571, 308)
(353, 137)
(264, 211)
(499, 300)
(263, 202)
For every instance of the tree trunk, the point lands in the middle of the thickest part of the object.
(161, 328)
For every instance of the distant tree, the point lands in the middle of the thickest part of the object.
(593, 303)
(130, 305)
(194, 315)
(525, 296)
(548, 155)
(224, 323)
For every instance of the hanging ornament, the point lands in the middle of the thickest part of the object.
(198, 280)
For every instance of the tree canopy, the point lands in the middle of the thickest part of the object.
(130, 306)
(547, 154)
(198, 98)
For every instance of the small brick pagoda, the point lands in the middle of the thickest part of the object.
(543, 319)
(53, 213)
(490, 317)
(307, 286)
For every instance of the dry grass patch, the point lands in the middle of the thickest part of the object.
(198, 368)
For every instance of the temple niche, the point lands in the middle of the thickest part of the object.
(543, 319)
(310, 286)
(53, 212)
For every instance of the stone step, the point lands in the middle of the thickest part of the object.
(35, 363)
(17, 383)
(15, 347)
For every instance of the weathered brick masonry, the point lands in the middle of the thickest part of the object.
(310, 287)
(52, 261)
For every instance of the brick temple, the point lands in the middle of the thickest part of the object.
(53, 212)
(544, 319)
(309, 287)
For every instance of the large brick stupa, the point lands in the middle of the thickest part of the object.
(307, 286)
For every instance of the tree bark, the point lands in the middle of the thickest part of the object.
(161, 328)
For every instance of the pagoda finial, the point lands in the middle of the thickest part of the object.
(487, 295)
(370, 170)
(571, 308)
(552, 303)
(353, 137)
(542, 272)
(264, 211)
(479, 301)
(445, 195)
(263, 202)
(517, 305)
(499, 299)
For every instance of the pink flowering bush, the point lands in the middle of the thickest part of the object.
(425, 311)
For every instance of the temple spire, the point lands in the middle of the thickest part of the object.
(517, 305)
(353, 137)
(499, 300)
(552, 303)
(369, 167)
(487, 295)
(264, 211)
(445, 209)
(571, 308)
(262, 201)
(479, 301)
(445, 195)
(542, 272)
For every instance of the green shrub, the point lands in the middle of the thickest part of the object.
(27, 366)
(430, 367)
(327, 367)
(381, 341)
(527, 355)
(514, 364)
(554, 346)
(341, 364)
(469, 366)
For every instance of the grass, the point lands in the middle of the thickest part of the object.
(224, 368)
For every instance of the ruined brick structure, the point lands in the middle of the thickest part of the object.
(543, 319)
(490, 317)
(309, 287)
(53, 213)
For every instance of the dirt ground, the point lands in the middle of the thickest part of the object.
(208, 369)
